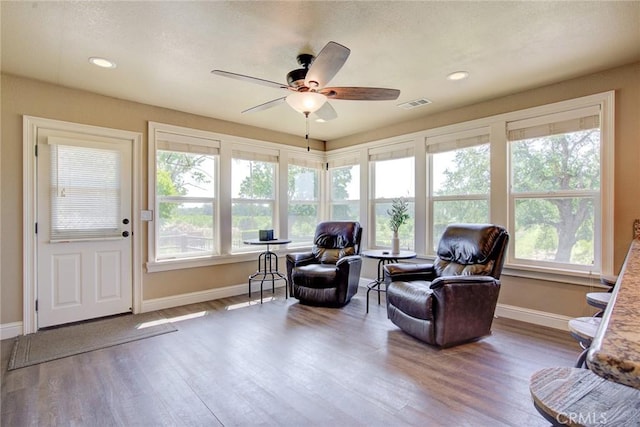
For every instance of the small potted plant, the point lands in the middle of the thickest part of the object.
(398, 216)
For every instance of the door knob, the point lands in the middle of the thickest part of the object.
(125, 234)
(125, 221)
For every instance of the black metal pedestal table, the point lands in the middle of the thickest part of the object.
(384, 257)
(266, 270)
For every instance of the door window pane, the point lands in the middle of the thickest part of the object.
(85, 192)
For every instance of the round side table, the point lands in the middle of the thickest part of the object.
(384, 257)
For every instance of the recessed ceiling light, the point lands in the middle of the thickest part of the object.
(102, 62)
(458, 75)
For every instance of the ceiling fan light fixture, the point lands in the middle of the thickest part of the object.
(306, 102)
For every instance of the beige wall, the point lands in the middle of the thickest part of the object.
(27, 97)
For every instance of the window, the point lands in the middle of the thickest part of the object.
(545, 173)
(253, 192)
(344, 190)
(555, 181)
(460, 180)
(304, 200)
(393, 176)
(185, 198)
(183, 194)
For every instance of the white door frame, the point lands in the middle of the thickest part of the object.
(30, 126)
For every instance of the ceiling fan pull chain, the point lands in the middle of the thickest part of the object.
(306, 136)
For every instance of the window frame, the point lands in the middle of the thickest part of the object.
(349, 161)
(499, 194)
(549, 120)
(264, 155)
(445, 143)
(396, 151)
(499, 205)
(158, 133)
(315, 164)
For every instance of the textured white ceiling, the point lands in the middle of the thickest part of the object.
(166, 50)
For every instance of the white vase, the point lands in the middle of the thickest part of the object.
(395, 243)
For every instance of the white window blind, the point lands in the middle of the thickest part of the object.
(85, 192)
(187, 148)
(396, 151)
(339, 162)
(456, 141)
(189, 144)
(566, 122)
(306, 163)
(266, 156)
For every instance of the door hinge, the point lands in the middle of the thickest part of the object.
(36, 149)
(36, 227)
(36, 305)
(327, 165)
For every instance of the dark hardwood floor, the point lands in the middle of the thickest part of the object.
(233, 363)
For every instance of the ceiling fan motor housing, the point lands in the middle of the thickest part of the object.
(296, 78)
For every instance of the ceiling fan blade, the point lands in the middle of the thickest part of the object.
(326, 112)
(361, 93)
(325, 66)
(266, 105)
(250, 79)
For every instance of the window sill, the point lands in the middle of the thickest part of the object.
(180, 264)
(591, 280)
(580, 278)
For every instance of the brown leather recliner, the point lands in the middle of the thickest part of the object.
(454, 299)
(328, 275)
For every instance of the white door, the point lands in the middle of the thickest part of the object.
(84, 248)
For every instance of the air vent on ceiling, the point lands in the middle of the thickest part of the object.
(414, 104)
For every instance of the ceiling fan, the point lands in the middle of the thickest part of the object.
(308, 84)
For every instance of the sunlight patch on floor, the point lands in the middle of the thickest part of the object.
(248, 303)
(171, 320)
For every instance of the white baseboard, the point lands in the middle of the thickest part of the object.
(10, 330)
(536, 317)
(196, 297)
(208, 295)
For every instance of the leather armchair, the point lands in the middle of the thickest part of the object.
(454, 299)
(329, 275)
